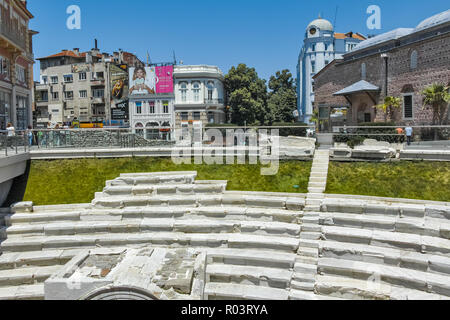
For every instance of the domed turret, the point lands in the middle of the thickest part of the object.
(322, 24)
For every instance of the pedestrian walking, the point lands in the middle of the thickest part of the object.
(29, 134)
(11, 134)
(409, 133)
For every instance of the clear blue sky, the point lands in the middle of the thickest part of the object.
(263, 34)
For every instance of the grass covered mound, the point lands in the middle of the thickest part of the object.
(411, 180)
(76, 181)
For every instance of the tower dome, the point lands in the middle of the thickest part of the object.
(322, 24)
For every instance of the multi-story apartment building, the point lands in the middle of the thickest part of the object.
(197, 99)
(78, 85)
(16, 64)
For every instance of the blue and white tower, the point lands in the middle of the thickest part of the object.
(321, 46)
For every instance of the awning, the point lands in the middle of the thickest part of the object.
(361, 86)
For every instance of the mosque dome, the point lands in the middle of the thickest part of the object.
(435, 20)
(322, 24)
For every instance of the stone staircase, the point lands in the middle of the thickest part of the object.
(333, 248)
(384, 250)
(251, 238)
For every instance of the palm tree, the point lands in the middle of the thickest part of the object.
(389, 106)
(437, 97)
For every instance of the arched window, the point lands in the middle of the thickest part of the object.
(139, 130)
(183, 91)
(326, 47)
(196, 90)
(414, 56)
(363, 71)
(210, 90)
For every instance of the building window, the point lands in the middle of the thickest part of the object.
(98, 93)
(363, 71)
(326, 47)
(184, 116)
(82, 76)
(313, 48)
(151, 107)
(408, 106)
(68, 78)
(20, 74)
(327, 62)
(55, 95)
(139, 107)
(4, 66)
(414, 59)
(196, 90)
(313, 67)
(183, 91)
(165, 106)
(83, 93)
(54, 79)
(196, 115)
(139, 128)
(44, 80)
(68, 95)
(210, 90)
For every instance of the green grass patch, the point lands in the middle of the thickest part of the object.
(76, 181)
(406, 179)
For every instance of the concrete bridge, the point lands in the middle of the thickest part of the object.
(14, 170)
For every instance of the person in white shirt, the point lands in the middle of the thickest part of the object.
(11, 134)
(409, 133)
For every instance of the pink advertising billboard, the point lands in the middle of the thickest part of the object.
(151, 80)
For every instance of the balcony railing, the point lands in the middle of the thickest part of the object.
(12, 34)
(214, 101)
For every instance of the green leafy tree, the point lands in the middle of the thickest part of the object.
(246, 96)
(282, 100)
(437, 97)
(389, 106)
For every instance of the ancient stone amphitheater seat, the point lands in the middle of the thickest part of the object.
(240, 245)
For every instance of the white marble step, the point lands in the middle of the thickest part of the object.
(24, 292)
(250, 275)
(36, 258)
(26, 275)
(427, 227)
(155, 190)
(158, 212)
(232, 291)
(308, 295)
(386, 256)
(378, 274)
(205, 225)
(154, 178)
(355, 289)
(396, 240)
(258, 258)
(387, 208)
(247, 241)
(187, 201)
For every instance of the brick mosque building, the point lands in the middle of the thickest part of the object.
(399, 63)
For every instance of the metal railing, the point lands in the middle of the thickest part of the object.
(392, 134)
(11, 145)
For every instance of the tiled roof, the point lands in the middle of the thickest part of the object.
(357, 87)
(345, 35)
(68, 53)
